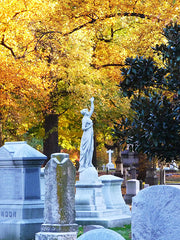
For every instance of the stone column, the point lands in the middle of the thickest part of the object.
(59, 205)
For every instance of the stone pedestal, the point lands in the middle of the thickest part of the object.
(21, 208)
(59, 205)
(95, 202)
(132, 189)
(112, 194)
(89, 195)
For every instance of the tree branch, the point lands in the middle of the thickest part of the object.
(107, 65)
(6, 46)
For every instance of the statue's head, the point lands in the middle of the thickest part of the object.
(85, 112)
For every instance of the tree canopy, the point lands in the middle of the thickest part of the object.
(56, 54)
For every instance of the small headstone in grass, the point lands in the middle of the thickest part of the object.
(101, 234)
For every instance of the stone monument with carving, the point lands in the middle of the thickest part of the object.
(21, 207)
(92, 200)
(59, 206)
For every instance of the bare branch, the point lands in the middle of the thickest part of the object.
(107, 65)
(6, 46)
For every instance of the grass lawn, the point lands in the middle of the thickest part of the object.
(124, 231)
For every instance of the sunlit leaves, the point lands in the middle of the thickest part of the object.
(57, 54)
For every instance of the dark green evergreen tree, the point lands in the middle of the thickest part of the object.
(155, 100)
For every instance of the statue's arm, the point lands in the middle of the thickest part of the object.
(92, 107)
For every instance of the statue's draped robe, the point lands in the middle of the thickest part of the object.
(87, 145)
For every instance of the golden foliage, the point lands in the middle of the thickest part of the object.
(56, 54)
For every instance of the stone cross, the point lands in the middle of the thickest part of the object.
(110, 165)
(110, 152)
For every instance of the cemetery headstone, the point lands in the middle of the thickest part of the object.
(21, 208)
(133, 172)
(156, 214)
(101, 234)
(119, 166)
(113, 195)
(59, 205)
(110, 165)
(103, 167)
(151, 177)
(132, 189)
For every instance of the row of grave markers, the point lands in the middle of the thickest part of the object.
(155, 210)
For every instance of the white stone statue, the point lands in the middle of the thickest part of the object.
(87, 140)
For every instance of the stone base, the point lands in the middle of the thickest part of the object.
(101, 203)
(19, 230)
(107, 219)
(21, 220)
(56, 236)
(59, 228)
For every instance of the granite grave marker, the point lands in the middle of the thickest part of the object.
(21, 208)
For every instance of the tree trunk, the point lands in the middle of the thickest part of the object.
(94, 160)
(50, 144)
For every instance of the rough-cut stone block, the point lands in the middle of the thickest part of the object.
(156, 214)
(101, 234)
(59, 210)
(60, 190)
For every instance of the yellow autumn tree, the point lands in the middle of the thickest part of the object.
(68, 51)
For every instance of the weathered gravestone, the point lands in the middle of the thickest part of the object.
(101, 234)
(59, 205)
(156, 214)
(21, 208)
(132, 189)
